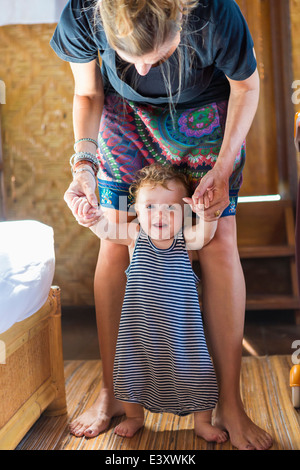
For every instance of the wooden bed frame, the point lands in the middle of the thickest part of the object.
(31, 372)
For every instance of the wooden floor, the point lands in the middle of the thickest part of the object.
(265, 391)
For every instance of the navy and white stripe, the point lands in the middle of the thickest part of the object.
(161, 360)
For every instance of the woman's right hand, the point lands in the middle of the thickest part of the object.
(83, 186)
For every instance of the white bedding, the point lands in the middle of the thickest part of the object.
(30, 11)
(27, 263)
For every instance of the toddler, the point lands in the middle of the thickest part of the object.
(161, 361)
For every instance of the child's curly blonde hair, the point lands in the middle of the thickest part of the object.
(158, 175)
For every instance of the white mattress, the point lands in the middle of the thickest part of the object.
(27, 263)
(30, 11)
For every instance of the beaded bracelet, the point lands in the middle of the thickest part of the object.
(85, 162)
(84, 156)
(78, 156)
(84, 169)
(86, 139)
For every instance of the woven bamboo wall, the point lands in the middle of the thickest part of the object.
(37, 144)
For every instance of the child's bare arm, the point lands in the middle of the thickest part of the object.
(198, 235)
(121, 233)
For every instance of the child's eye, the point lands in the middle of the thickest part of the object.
(149, 206)
(171, 208)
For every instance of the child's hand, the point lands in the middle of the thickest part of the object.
(214, 190)
(83, 185)
(208, 197)
(86, 215)
(197, 206)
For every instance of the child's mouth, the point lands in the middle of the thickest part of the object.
(160, 225)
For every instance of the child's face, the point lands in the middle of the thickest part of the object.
(160, 210)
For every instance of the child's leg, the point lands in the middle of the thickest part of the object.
(205, 429)
(133, 422)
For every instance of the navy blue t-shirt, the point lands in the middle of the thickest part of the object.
(216, 31)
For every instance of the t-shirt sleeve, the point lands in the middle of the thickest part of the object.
(233, 44)
(73, 39)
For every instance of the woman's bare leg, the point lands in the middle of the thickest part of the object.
(109, 286)
(223, 312)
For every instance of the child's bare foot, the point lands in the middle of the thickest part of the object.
(97, 418)
(204, 428)
(129, 427)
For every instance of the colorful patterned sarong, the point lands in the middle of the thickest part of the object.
(132, 136)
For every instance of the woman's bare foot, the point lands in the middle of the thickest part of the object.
(243, 433)
(97, 418)
(203, 428)
(129, 427)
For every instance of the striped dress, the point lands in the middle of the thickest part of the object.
(161, 359)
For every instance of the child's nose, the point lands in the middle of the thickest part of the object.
(164, 216)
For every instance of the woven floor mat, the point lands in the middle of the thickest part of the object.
(265, 391)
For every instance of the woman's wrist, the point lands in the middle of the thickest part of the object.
(86, 144)
(83, 168)
(79, 158)
(224, 165)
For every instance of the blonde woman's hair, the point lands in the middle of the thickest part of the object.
(159, 175)
(138, 27)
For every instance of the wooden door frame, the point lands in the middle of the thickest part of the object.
(283, 78)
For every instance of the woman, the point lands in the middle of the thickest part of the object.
(178, 83)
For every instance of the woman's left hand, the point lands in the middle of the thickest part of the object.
(213, 192)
